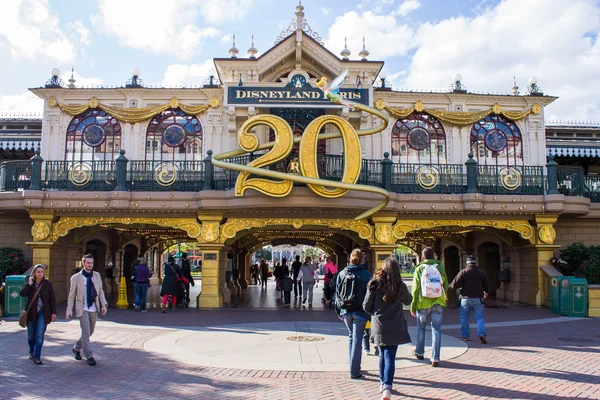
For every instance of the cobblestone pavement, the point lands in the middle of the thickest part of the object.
(531, 355)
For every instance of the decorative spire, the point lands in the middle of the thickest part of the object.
(345, 53)
(252, 50)
(233, 50)
(72, 80)
(363, 53)
(299, 24)
(515, 88)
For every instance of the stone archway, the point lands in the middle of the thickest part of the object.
(488, 259)
(452, 265)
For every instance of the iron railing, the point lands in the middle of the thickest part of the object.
(194, 176)
(420, 178)
(498, 179)
(177, 176)
(15, 175)
(79, 175)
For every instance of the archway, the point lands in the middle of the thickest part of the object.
(452, 264)
(130, 253)
(97, 248)
(488, 259)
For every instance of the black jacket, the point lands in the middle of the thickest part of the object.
(48, 300)
(170, 284)
(388, 326)
(186, 271)
(472, 281)
(296, 265)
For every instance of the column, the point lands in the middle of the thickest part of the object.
(214, 259)
(43, 236)
(542, 252)
(384, 243)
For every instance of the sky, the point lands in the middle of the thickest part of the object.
(423, 43)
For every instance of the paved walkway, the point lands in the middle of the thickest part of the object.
(246, 354)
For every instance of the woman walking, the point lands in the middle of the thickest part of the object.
(41, 303)
(170, 285)
(385, 294)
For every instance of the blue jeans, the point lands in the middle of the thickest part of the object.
(35, 334)
(466, 305)
(387, 365)
(356, 330)
(138, 294)
(425, 316)
(143, 291)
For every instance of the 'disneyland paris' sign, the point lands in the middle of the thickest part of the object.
(289, 96)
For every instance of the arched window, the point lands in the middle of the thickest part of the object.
(419, 138)
(496, 140)
(174, 135)
(93, 135)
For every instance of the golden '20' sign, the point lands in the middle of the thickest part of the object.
(282, 183)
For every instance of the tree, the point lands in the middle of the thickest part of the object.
(12, 260)
(263, 254)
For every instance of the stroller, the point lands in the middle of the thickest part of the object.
(182, 301)
(329, 291)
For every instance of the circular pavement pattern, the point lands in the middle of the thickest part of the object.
(285, 346)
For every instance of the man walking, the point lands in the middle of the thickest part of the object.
(87, 295)
(475, 286)
(186, 272)
(296, 265)
(136, 287)
(429, 288)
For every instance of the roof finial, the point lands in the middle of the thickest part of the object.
(515, 88)
(233, 50)
(72, 80)
(363, 53)
(252, 50)
(345, 53)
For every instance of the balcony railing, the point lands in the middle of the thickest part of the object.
(194, 176)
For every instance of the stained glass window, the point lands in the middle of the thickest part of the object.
(174, 135)
(93, 135)
(497, 140)
(414, 137)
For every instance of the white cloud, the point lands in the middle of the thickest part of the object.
(516, 38)
(187, 75)
(384, 36)
(171, 32)
(226, 39)
(407, 7)
(325, 10)
(83, 32)
(21, 103)
(375, 6)
(29, 29)
(225, 11)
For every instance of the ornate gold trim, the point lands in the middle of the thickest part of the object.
(401, 228)
(65, 224)
(234, 225)
(547, 234)
(40, 230)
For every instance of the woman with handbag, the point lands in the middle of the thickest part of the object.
(40, 311)
(170, 285)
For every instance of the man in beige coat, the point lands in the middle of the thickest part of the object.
(87, 295)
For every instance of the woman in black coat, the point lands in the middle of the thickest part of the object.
(385, 294)
(42, 310)
(170, 284)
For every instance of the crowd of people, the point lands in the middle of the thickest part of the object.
(371, 306)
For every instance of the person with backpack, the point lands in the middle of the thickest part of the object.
(136, 287)
(329, 280)
(386, 293)
(351, 288)
(475, 286)
(429, 288)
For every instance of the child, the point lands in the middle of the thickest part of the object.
(286, 287)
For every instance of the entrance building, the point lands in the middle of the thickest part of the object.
(246, 159)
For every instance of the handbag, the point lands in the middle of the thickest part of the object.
(23, 316)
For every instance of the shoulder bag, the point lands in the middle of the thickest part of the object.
(23, 316)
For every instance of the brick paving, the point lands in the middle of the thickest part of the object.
(543, 361)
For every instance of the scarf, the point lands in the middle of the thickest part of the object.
(91, 289)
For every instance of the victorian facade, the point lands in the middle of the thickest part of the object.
(136, 169)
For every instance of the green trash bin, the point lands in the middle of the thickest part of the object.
(574, 297)
(13, 302)
(555, 286)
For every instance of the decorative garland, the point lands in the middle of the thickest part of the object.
(458, 117)
(133, 115)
